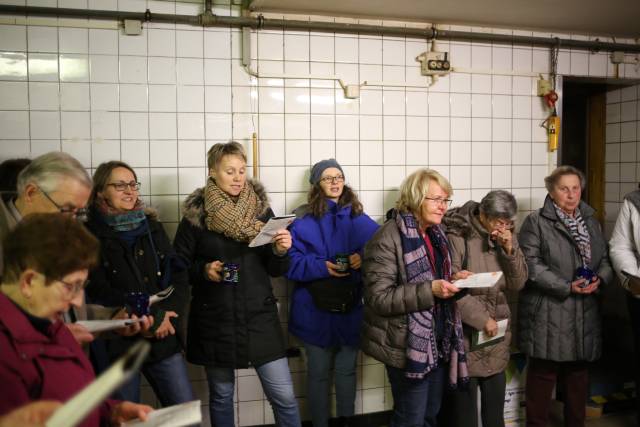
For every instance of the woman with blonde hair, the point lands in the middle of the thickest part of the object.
(411, 322)
(233, 321)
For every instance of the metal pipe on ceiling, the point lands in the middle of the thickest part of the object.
(209, 19)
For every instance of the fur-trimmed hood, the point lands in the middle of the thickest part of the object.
(463, 221)
(193, 206)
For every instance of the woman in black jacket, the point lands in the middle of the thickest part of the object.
(137, 256)
(233, 322)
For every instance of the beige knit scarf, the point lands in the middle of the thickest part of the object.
(235, 217)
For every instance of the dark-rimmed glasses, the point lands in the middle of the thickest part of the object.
(80, 213)
(122, 186)
(332, 179)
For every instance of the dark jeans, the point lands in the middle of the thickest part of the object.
(318, 381)
(168, 378)
(574, 385)
(416, 403)
(460, 408)
(634, 313)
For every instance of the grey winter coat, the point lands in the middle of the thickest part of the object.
(483, 255)
(554, 323)
(388, 298)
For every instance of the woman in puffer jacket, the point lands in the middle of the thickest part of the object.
(483, 240)
(326, 304)
(233, 322)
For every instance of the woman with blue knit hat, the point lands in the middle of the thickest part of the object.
(326, 309)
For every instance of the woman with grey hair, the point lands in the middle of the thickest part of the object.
(559, 324)
(482, 239)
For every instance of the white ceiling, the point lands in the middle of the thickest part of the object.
(619, 18)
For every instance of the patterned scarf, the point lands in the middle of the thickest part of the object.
(235, 217)
(424, 350)
(578, 230)
(118, 219)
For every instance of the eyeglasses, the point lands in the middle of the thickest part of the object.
(332, 179)
(122, 186)
(439, 201)
(80, 213)
(70, 290)
(501, 223)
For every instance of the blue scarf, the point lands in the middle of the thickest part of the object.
(424, 348)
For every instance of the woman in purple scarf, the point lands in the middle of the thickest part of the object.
(411, 322)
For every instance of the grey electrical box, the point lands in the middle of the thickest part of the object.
(132, 27)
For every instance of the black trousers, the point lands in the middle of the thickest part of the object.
(460, 408)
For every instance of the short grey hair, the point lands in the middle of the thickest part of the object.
(46, 170)
(551, 180)
(499, 204)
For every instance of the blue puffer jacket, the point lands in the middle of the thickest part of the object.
(316, 240)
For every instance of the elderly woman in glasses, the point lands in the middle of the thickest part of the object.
(137, 256)
(47, 258)
(483, 240)
(559, 324)
(411, 324)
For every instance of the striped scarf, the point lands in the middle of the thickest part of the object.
(424, 351)
(579, 232)
(118, 219)
(235, 217)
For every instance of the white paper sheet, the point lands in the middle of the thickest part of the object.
(185, 414)
(95, 326)
(74, 411)
(162, 295)
(502, 329)
(270, 228)
(479, 280)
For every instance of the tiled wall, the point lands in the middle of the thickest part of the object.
(622, 158)
(159, 100)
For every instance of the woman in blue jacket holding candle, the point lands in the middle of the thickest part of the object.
(326, 305)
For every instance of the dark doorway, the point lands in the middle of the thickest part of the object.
(583, 122)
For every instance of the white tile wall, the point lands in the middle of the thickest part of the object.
(161, 99)
(622, 150)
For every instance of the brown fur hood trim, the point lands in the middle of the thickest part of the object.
(193, 206)
(458, 220)
(152, 213)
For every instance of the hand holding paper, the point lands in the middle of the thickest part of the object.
(270, 229)
(479, 280)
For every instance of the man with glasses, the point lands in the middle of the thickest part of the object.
(55, 182)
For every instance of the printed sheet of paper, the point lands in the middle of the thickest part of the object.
(162, 295)
(270, 228)
(479, 280)
(106, 325)
(185, 414)
(75, 410)
(483, 338)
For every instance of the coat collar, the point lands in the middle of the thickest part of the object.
(193, 206)
(549, 211)
(19, 326)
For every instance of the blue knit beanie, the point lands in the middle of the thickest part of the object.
(318, 168)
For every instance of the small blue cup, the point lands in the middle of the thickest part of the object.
(587, 274)
(138, 303)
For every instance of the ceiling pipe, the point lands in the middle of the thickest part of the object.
(208, 19)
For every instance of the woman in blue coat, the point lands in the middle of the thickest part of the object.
(326, 309)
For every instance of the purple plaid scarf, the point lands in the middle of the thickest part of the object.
(423, 351)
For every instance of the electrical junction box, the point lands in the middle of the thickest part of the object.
(434, 63)
(132, 27)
